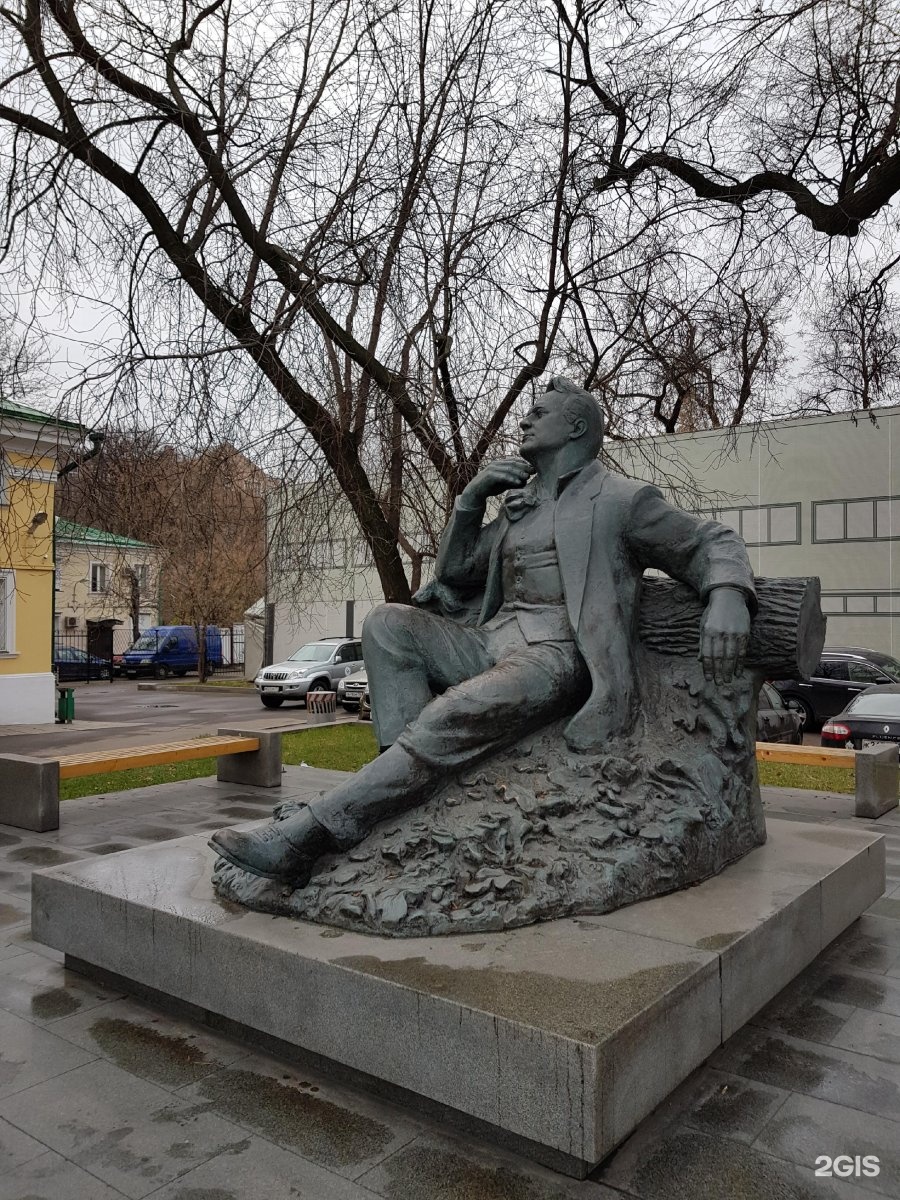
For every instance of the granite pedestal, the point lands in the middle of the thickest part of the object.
(557, 1039)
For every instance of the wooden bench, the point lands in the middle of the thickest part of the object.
(29, 787)
(92, 762)
(877, 770)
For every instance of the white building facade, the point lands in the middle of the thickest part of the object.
(814, 496)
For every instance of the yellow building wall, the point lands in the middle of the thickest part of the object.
(74, 597)
(27, 549)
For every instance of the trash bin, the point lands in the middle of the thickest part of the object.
(65, 705)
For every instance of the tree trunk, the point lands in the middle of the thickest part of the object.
(786, 635)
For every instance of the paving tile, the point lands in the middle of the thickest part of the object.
(873, 1033)
(886, 908)
(262, 1170)
(35, 987)
(335, 1127)
(151, 1044)
(14, 909)
(16, 1147)
(800, 1009)
(129, 1133)
(731, 1106)
(803, 1129)
(443, 1168)
(11, 949)
(688, 1165)
(825, 1072)
(52, 1177)
(16, 882)
(868, 945)
(29, 1054)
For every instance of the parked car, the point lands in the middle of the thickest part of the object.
(316, 667)
(775, 722)
(70, 662)
(843, 672)
(165, 650)
(869, 719)
(365, 706)
(351, 688)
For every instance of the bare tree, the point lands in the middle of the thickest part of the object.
(785, 106)
(354, 214)
(205, 513)
(855, 348)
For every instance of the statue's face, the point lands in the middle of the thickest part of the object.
(546, 427)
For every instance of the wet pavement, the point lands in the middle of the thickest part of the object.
(129, 713)
(102, 1096)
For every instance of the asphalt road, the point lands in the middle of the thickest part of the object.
(118, 714)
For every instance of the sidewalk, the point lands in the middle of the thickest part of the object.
(102, 1097)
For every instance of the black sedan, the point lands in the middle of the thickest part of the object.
(775, 721)
(870, 718)
(70, 662)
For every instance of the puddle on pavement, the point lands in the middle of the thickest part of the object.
(583, 1009)
(318, 1129)
(424, 1172)
(155, 833)
(718, 941)
(10, 915)
(708, 1168)
(166, 1058)
(856, 990)
(9, 839)
(733, 1106)
(244, 813)
(40, 856)
(55, 1002)
(109, 848)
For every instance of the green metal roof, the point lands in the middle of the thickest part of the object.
(23, 412)
(70, 531)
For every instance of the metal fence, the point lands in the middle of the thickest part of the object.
(96, 653)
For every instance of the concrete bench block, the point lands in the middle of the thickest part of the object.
(29, 793)
(877, 780)
(258, 768)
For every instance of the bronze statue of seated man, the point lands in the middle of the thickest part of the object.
(543, 623)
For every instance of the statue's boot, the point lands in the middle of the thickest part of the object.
(284, 850)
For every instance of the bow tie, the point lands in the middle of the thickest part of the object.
(517, 503)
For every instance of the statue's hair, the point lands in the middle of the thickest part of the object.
(580, 404)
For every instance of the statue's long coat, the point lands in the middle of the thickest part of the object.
(607, 530)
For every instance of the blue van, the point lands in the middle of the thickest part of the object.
(167, 650)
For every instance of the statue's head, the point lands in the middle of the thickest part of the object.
(564, 416)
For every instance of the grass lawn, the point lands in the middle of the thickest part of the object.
(821, 779)
(338, 748)
(347, 747)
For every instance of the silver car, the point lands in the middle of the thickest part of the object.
(315, 667)
(351, 689)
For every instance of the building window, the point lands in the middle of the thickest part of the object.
(142, 576)
(4, 479)
(861, 604)
(99, 575)
(762, 525)
(7, 612)
(873, 519)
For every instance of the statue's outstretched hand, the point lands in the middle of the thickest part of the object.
(498, 477)
(724, 634)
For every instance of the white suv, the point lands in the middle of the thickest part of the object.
(315, 667)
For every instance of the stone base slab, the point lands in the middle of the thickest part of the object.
(561, 1036)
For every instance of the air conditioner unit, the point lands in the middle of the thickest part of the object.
(71, 622)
